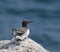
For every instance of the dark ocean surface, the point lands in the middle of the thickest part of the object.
(46, 16)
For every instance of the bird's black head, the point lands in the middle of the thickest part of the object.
(26, 22)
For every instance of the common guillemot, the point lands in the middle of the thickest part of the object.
(22, 33)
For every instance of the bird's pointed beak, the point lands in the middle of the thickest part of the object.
(31, 21)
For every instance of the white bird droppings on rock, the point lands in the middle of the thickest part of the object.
(27, 45)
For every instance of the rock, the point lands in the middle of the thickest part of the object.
(28, 45)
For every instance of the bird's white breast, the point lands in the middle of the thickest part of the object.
(27, 32)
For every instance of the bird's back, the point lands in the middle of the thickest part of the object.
(19, 31)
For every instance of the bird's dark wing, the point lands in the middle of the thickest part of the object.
(19, 31)
(19, 34)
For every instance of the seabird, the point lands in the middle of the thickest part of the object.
(22, 33)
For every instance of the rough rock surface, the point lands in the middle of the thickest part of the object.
(28, 45)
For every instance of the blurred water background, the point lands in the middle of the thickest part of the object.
(45, 14)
